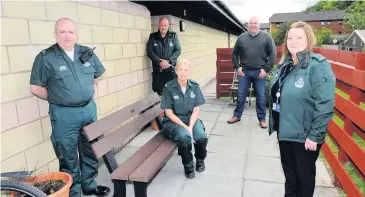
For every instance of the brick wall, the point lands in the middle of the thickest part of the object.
(118, 30)
(198, 43)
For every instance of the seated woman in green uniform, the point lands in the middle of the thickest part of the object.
(181, 99)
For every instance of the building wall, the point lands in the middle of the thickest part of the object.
(335, 26)
(118, 30)
(198, 43)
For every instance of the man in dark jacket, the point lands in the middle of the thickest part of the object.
(163, 48)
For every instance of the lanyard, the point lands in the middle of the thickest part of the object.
(282, 82)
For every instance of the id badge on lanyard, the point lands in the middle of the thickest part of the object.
(276, 105)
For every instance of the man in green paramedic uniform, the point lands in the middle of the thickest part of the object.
(181, 100)
(59, 76)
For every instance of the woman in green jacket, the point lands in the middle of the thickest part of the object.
(302, 96)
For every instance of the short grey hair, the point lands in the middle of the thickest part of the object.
(61, 19)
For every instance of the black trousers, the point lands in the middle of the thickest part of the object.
(299, 167)
(159, 79)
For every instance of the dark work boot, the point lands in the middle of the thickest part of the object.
(189, 172)
(200, 165)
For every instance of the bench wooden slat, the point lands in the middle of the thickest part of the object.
(125, 169)
(111, 121)
(117, 137)
(154, 162)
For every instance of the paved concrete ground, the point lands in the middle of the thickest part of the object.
(242, 161)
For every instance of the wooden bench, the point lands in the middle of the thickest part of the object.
(143, 165)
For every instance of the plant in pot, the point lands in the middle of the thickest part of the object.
(53, 184)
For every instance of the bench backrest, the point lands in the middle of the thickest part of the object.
(144, 110)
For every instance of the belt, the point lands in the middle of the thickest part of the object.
(83, 104)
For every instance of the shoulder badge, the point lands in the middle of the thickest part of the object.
(46, 51)
(318, 57)
(194, 82)
(172, 34)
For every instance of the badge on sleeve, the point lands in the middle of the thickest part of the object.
(192, 95)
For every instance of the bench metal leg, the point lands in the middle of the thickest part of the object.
(119, 188)
(140, 189)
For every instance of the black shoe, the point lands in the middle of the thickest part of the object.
(200, 166)
(98, 191)
(189, 172)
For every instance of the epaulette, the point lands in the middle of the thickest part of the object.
(194, 82)
(84, 48)
(170, 83)
(318, 57)
(46, 51)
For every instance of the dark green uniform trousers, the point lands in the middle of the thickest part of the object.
(184, 141)
(72, 147)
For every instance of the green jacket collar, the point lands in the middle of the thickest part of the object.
(303, 58)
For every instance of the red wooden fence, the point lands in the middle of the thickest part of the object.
(349, 68)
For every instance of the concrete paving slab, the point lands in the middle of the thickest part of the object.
(257, 132)
(159, 187)
(261, 168)
(262, 189)
(227, 145)
(209, 116)
(212, 107)
(225, 165)
(209, 125)
(174, 165)
(212, 186)
(261, 147)
(143, 138)
(245, 119)
(326, 192)
(215, 101)
(234, 130)
(125, 153)
(322, 176)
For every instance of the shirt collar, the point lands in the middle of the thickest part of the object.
(253, 35)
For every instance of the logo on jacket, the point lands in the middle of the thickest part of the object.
(176, 97)
(87, 64)
(299, 83)
(63, 68)
(192, 95)
(171, 44)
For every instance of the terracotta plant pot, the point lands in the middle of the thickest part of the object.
(154, 125)
(54, 176)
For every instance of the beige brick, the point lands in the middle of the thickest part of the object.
(24, 9)
(9, 116)
(142, 49)
(138, 90)
(20, 138)
(134, 77)
(140, 22)
(145, 36)
(40, 169)
(109, 18)
(97, 107)
(99, 51)
(136, 63)
(15, 163)
(95, 92)
(112, 85)
(122, 99)
(40, 155)
(126, 20)
(129, 50)
(27, 109)
(120, 35)
(110, 69)
(60, 9)
(147, 63)
(14, 31)
(88, 14)
(147, 87)
(135, 36)
(146, 74)
(84, 34)
(102, 88)
(53, 166)
(28, 55)
(140, 76)
(108, 103)
(15, 86)
(113, 51)
(41, 32)
(46, 127)
(43, 107)
(102, 34)
(122, 66)
(120, 82)
(5, 68)
(127, 80)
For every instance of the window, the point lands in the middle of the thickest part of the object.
(354, 40)
(277, 24)
(328, 22)
(322, 23)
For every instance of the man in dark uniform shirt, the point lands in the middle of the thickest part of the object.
(163, 48)
(59, 77)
